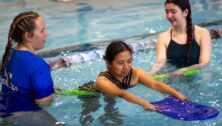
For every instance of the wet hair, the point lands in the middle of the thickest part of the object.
(183, 5)
(114, 48)
(22, 23)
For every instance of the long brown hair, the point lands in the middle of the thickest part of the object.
(23, 22)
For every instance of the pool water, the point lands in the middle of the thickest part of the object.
(204, 88)
(96, 21)
(89, 21)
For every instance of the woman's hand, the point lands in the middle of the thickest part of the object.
(178, 72)
(58, 88)
(182, 97)
(150, 107)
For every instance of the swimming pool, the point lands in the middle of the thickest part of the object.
(203, 88)
(87, 21)
(97, 21)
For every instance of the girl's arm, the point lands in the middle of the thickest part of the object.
(44, 102)
(160, 53)
(148, 81)
(107, 87)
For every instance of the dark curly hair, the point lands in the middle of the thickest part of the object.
(115, 48)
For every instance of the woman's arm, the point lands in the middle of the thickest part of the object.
(44, 102)
(148, 81)
(161, 48)
(109, 88)
(205, 47)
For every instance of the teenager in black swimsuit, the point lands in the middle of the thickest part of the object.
(185, 45)
(121, 75)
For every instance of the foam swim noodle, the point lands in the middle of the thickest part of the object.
(75, 92)
(167, 75)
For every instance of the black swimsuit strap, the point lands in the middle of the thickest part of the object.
(171, 33)
(125, 82)
(111, 78)
(127, 79)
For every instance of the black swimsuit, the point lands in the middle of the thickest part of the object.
(177, 53)
(125, 82)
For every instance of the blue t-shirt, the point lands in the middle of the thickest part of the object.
(30, 80)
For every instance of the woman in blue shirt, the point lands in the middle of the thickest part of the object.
(26, 81)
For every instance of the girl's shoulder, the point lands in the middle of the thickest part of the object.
(200, 30)
(165, 34)
(137, 71)
(164, 37)
(201, 33)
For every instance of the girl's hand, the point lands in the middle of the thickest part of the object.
(150, 107)
(58, 88)
(183, 98)
(177, 72)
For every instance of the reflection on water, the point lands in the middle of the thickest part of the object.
(90, 105)
(83, 22)
(111, 117)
